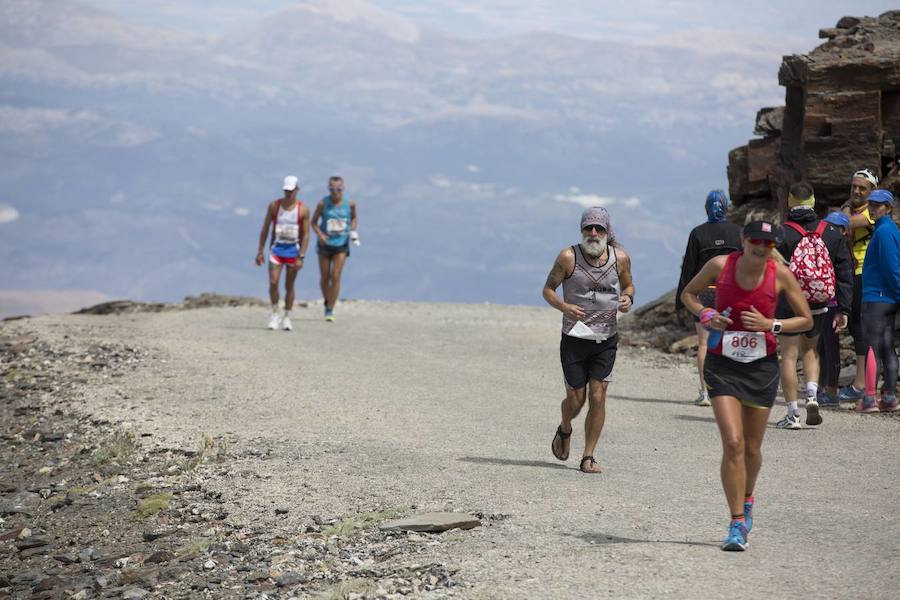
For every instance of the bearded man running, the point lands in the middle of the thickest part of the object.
(596, 280)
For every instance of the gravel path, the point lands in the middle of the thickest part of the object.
(453, 407)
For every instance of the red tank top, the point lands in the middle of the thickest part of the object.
(763, 298)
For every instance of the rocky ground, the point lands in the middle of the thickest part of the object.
(192, 453)
(91, 509)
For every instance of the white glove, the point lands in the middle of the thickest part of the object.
(354, 238)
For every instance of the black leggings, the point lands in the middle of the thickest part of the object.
(878, 321)
(829, 352)
(854, 324)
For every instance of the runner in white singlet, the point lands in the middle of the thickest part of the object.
(288, 219)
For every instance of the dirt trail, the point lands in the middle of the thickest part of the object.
(413, 407)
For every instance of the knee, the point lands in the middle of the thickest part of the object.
(734, 446)
(575, 397)
(598, 399)
(752, 452)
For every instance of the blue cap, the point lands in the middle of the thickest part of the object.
(838, 218)
(881, 196)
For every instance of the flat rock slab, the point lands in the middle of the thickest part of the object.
(25, 503)
(435, 522)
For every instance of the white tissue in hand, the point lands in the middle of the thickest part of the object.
(580, 330)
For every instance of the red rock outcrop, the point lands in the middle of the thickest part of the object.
(841, 114)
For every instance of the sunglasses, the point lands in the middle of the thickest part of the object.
(768, 243)
(596, 228)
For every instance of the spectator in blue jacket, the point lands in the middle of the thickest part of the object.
(881, 297)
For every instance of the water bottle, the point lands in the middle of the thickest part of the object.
(715, 336)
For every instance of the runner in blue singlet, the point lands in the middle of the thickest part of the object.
(334, 222)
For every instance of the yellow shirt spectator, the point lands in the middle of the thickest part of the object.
(861, 237)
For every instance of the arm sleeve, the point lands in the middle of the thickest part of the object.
(888, 255)
(843, 272)
(688, 268)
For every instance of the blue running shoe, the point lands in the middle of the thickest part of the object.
(329, 314)
(737, 538)
(748, 515)
(826, 400)
(846, 394)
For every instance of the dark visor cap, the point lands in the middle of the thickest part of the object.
(763, 230)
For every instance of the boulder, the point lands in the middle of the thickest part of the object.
(841, 113)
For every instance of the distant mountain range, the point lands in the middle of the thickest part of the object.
(138, 161)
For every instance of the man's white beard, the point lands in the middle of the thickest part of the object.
(594, 247)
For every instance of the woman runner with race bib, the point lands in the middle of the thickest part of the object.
(742, 369)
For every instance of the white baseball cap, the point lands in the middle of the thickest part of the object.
(290, 183)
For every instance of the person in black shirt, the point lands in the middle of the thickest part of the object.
(713, 238)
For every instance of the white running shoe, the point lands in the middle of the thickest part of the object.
(812, 412)
(789, 422)
(702, 399)
(274, 321)
(286, 323)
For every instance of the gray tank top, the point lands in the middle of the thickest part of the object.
(595, 290)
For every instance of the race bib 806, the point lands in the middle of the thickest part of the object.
(744, 346)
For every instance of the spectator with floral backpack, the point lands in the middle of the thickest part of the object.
(820, 260)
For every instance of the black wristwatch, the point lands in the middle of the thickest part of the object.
(776, 327)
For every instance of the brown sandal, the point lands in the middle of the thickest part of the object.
(592, 461)
(562, 435)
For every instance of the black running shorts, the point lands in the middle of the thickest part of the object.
(783, 310)
(754, 384)
(583, 359)
(329, 251)
(820, 321)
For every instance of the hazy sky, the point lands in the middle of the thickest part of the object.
(187, 134)
(798, 21)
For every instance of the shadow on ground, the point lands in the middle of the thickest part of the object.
(604, 538)
(652, 400)
(510, 462)
(695, 418)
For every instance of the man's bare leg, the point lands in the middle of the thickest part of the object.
(593, 423)
(289, 280)
(702, 339)
(337, 268)
(790, 350)
(274, 276)
(809, 353)
(325, 278)
(569, 409)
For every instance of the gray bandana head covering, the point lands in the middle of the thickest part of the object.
(597, 215)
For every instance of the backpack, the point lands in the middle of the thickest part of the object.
(811, 264)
